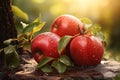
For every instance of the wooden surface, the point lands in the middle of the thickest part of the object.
(104, 71)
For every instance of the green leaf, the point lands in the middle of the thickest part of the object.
(60, 67)
(30, 27)
(17, 11)
(9, 41)
(100, 35)
(38, 28)
(86, 20)
(64, 41)
(37, 19)
(93, 29)
(44, 61)
(11, 57)
(20, 37)
(96, 30)
(66, 60)
(46, 68)
(87, 23)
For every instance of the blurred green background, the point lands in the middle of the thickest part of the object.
(103, 12)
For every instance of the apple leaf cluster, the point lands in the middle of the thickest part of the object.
(25, 37)
(11, 57)
(59, 64)
(94, 29)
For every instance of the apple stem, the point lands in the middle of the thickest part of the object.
(80, 30)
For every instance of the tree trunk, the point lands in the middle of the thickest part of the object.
(7, 25)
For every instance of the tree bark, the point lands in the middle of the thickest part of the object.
(7, 25)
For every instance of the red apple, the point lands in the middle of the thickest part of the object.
(86, 50)
(45, 45)
(66, 25)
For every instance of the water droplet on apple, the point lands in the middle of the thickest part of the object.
(96, 59)
(51, 41)
(94, 47)
(93, 56)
